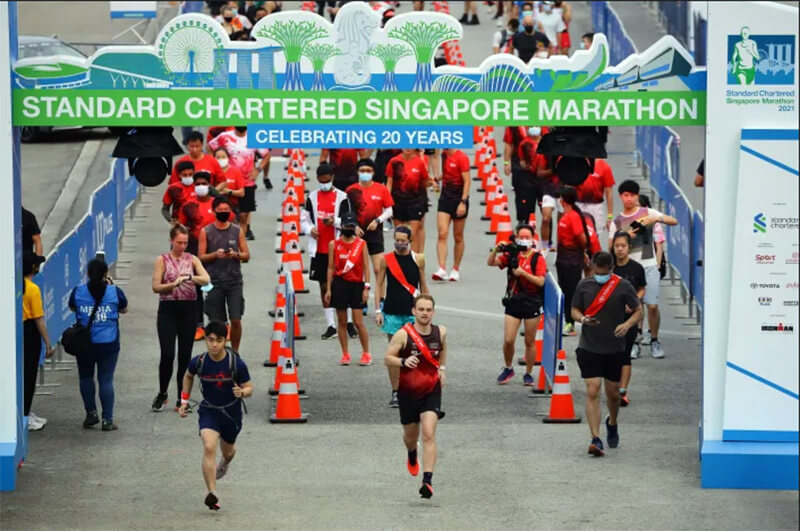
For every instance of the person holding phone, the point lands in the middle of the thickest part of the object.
(223, 248)
(175, 276)
(608, 307)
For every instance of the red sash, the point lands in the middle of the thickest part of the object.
(397, 273)
(355, 256)
(603, 296)
(421, 345)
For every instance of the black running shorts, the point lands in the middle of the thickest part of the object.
(346, 294)
(318, 270)
(411, 407)
(607, 366)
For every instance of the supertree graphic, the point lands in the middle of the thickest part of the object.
(389, 54)
(319, 54)
(293, 37)
(424, 37)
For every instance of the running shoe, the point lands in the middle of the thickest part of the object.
(249, 235)
(37, 418)
(267, 184)
(90, 420)
(440, 275)
(366, 359)
(426, 490)
(413, 469)
(159, 402)
(655, 350)
(596, 447)
(394, 401)
(108, 425)
(345, 359)
(454, 276)
(222, 468)
(352, 331)
(34, 424)
(527, 380)
(623, 400)
(646, 339)
(569, 330)
(212, 502)
(505, 376)
(329, 333)
(613, 434)
(635, 351)
(199, 333)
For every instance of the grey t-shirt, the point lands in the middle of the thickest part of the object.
(600, 338)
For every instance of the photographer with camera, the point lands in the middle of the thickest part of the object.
(523, 299)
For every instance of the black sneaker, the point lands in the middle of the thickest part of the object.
(267, 184)
(329, 333)
(212, 502)
(90, 420)
(351, 330)
(249, 235)
(108, 425)
(464, 19)
(426, 490)
(394, 402)
(159, 402)
(474, 21)
(613, 434)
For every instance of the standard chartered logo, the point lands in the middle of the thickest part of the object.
(760, 223)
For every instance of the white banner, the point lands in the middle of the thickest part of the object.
(133, 9)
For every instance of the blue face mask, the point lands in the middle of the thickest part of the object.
(364, 177)
(602, 279)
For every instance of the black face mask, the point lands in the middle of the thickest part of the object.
(528, 29)
(222, 217)
(227, 19)
(348, 232)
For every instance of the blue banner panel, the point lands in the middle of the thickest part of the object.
(698, 252)
(358, 136)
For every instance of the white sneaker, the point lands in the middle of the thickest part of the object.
(646, 339)
(37, 418)
(635, 352)
(454, 276)
(655, 350)
(440, 275)
(222, 468)
(34, 424)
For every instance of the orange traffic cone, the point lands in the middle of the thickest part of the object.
(541, 383)
(280, 289)
(504, 227)
(291, 224)
(292, 262)
(491, 192)
(288, 407)
(497, 207)
(562, 409)
(278, 331)
(298, 335)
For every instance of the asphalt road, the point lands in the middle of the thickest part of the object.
(499, 465)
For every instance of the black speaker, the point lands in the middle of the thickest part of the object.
(572, 151)
(149, 151)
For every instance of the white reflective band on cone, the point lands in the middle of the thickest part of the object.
(561, 389)
(288, 389)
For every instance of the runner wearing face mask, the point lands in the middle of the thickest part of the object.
(527, 189)
(400, 278)
(408, 179)
(177, 194)
(523, 299)
(551, 24)
(525, 42)
(233, 187)
(202, 161)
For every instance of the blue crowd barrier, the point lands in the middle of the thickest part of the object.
(679, 237)
(191, 7)
(606, 21)
(553, 320)
(698, 254)
(676, 17)
(99, 230)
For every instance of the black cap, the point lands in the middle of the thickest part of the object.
(324, 169)
(349, 219)
(366, 162)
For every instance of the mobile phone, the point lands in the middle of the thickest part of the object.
(591, 320)
(100, 255)
(637, 226)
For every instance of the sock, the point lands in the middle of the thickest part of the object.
(349, 315)
(622, 390)
(412, 456)
(329, 315)
(510, 368)
(394, 391)
(427, 477)
(653, 339)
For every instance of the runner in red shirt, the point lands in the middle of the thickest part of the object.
(234, 181)
(549, 185)
(453, 206)
(526, 184)
(343, 162)
(179, 193)
(573, 249)
(202, 161)
(372, 204)
(408, 179)
(596, 188)
(215, 130)
(198, 212)
(348, 285)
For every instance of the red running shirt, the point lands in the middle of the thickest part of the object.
(341, 254)
(570, 229)
(326, 207)
(368, 202)
(537, 269)
(409, 177)
(207, 163)
(592, 190)
(453, 169)
(195, 215)
(176, 195)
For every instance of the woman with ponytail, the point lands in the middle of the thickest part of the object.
(101, 303)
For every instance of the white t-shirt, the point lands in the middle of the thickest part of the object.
(551, 24)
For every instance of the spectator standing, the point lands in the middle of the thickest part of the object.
(223, 248)
(586, 40)
(529, 41)
(232, 22)
(106, 301)
(176, 276)
(453, 207)
(551, 24)
(34, 331)
(31, 233)
(601, 304)
(501, 41)
(470, 7)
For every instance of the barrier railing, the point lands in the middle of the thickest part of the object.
(553, 320)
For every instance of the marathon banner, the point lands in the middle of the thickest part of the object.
(302, 69)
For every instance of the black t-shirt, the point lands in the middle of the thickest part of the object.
(30, 228)
(633, 272)
(398, 300)
(600, 339)
(525, 44)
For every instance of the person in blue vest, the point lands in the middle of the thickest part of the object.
(104, 333)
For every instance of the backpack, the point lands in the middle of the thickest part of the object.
(233, 360)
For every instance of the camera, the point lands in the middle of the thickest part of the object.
(511, 252)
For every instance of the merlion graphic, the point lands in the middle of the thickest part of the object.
(354, 26)
(745, 56)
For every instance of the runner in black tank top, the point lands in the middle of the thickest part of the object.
(419, 351)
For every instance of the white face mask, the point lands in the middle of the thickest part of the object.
(582, 45)
(223, 163)
(364, 176)
(326, 187)
(201, 190)
(525, 243)
(187, 181)
(542, 54)
(534, 131)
